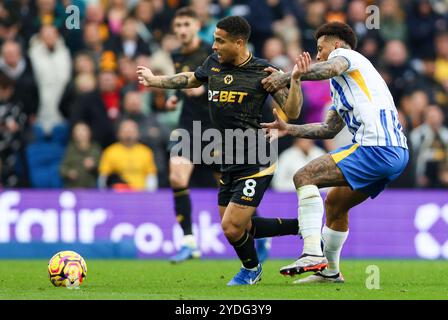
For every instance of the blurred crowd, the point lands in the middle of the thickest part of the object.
(72, 113)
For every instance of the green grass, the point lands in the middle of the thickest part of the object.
(151, 279)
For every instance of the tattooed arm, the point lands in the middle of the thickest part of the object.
(328, 129)
(178, 81)
(327, 69)
(290, 108)
(318, 71)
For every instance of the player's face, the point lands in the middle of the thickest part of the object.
(186, 28)
(325, 46)
(225, 46)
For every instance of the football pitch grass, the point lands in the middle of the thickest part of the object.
(204, 280)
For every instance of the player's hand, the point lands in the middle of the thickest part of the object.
(144, 75)
(194, 92)
(276, 129)
(275, 81)
(171, 103)
(302, 66)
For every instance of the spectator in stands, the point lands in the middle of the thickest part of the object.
(18, 68)
(128, 163)
(94, 40)
(274, 50)
(357, 15)
(116, 13)
(84, 63)
(152, 134)
(414, 106)
(128, 42)
(423, 23)
(430, 143)
(426, 81)
(291, 160)
(10, 24)
(100, 109)
(370, 48)
(396, 62)
(441, 62)
(336, 11)
(392, 25)
(80, 164)
(52, 65)
(128, 77)
(144, 14)
(12, 124)
(208, 21)
(313, 19)
(263, 14)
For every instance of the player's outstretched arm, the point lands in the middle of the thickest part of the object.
(318, 71)
(327, 69)
(294, 101)
(178, 81)
(326, 130)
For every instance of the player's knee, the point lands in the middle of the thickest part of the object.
(232, 231)
(176, 180)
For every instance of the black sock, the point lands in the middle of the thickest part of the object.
(245, 249)
(273, 227)
(182, 206)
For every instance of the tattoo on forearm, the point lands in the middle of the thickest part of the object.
(280, 97)
(178, 81)
(327, 69)
(327, 130)
(285, 79)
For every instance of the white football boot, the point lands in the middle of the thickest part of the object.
(305, 263)
(319, 277)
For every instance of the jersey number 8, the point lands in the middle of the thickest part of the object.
(249, 190)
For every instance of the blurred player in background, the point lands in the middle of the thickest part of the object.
(378, 155)
(188, 57)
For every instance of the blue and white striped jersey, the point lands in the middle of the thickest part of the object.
(362, 99)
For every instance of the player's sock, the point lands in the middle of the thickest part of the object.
(182, 207)
(333, 242)
(245, 249)
(273, 227)
(311, 211)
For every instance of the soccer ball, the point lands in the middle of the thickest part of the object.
(67, 269)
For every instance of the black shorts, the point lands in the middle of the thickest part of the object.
(191, 151)
(244, 189)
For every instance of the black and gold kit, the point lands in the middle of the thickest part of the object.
(236, 98)
(194, 108)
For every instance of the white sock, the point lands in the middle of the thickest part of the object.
(252, 269)
(189, 241)
(333, 242)
(311, 211)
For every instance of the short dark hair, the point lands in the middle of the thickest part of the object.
(235, 26)
(339, 30)
(186, 12)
